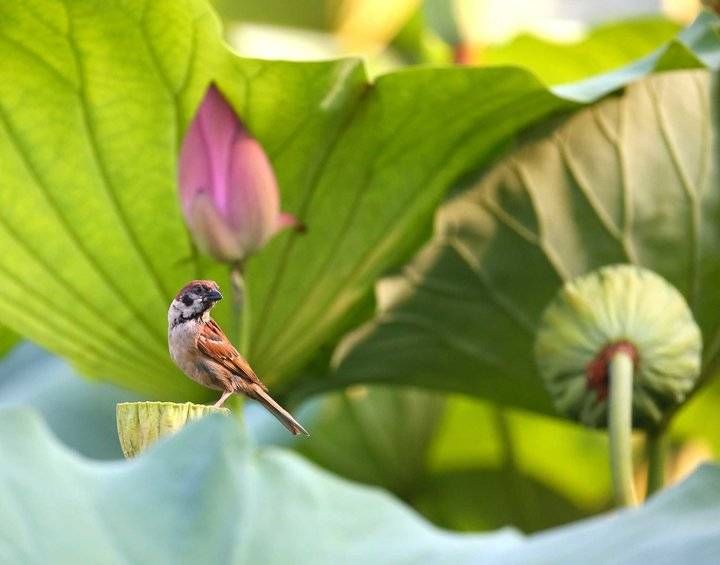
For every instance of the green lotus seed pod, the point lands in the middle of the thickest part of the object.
(619, 307)
(140, 424)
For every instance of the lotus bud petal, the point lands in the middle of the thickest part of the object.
(140, 424)
(619, 307)
(228, 189)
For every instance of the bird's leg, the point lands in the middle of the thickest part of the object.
(223, 398)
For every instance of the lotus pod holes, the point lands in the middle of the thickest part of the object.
(618, 308)
(140, 424)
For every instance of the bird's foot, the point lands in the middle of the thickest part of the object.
(222, 399)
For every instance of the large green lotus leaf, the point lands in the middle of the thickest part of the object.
(513, 468)
(422, 442)
(516, 468)
(604, 48)
(376, 435)
(80, 413)
(400, 439)
(8, 340)
(699, 419)
(490, 498)
(203, 496)
(680, 525)
(632, 179)
(313, 14)
(533, 452)
(206, 495)
(365, 201)
(94, 99)
(395, 157)
(474, 468)
(93, 102)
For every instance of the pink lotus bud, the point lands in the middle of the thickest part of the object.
(228, 189)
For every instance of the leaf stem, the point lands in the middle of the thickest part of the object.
(240, 329)
(236, 404)
(510, 467)
(620, 427)
(655, 449)
(236, 288)
(241, 310)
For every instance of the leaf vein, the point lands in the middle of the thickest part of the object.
(35, 175)
(292, 238)
(691, 193)
(496, 296)
(114, 201)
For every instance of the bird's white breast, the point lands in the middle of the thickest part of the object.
(181, 342)
(184, 352)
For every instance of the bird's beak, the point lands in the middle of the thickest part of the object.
(213, 296)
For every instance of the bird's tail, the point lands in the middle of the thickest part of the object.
(278, 411)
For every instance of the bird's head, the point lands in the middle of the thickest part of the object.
(193, 300)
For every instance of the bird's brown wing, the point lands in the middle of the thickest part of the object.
(212, 342)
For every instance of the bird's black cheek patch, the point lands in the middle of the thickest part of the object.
(187, 300)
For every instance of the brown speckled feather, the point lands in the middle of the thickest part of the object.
(212, 342)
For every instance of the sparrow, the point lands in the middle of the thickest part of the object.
(202, 351)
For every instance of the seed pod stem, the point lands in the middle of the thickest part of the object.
(655, 448)
(620, 427)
